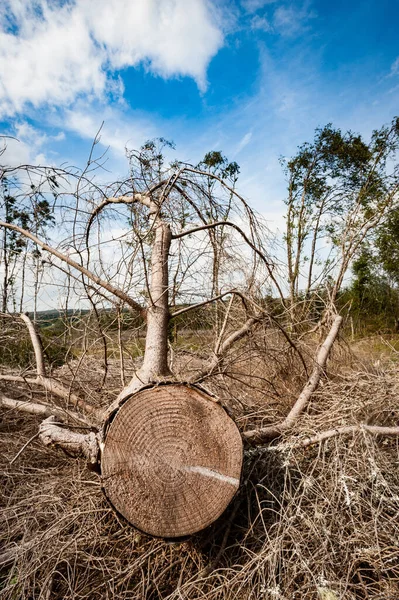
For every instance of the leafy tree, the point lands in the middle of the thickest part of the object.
(339, 188)
(32, 212)
(387, 244)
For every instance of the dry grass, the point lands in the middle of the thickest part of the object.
(317, 524)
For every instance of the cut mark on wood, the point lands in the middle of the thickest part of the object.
(215, 474)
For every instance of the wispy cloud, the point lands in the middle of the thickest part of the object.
(395, 67)
(252, 6)
(290, 20)
(261, 24)
(244, 141)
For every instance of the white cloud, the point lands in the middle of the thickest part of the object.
(53, 51)
(118, 132)
(290, 21)
(26, 145)
(260, 24)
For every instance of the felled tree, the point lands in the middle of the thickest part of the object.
(161, 437)
(169, 455)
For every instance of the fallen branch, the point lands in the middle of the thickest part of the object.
(223, 348)
(38, 409)
(78, 445)
(273, 431)
(347, 429)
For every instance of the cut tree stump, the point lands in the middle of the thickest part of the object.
(171, 460)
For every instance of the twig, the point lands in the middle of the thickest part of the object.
(24, 446)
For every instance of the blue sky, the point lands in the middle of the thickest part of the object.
(252, 78)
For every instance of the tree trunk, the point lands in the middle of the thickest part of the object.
(171, 457)
(171, 460)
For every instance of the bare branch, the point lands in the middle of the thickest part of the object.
(177, 236)
(273, 431)
(257, 251)
(79, 445)
(41, 410)
(181, 311)
(346, 429)
(37, 345)
(107, 286)
(227, 344)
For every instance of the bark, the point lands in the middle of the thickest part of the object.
(78, 445)
(39, 409)
(156, 347)
(155, 364)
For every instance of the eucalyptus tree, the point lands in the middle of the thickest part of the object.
(23, 204)
(339, 188)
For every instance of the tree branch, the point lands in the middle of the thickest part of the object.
(273, 431)
(346, 429)
(38, 409)
(78, 445)
(177, 236)
(181, 311)
(268, 265)
(223, 348)
(37, 345)
(107, 286)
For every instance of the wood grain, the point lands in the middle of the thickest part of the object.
(171, 460)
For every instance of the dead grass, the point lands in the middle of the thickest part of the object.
(316, 524)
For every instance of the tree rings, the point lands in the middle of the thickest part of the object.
(171, 461)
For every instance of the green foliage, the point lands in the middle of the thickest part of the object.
(339, 187)
(387, 244)
(218, 164)
(16, 349)
(371, 300)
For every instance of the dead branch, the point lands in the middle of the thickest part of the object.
(63, 257)
(37, 345)
(177, 236)
(347, 429)
(182, 311)
(78, 445)
(273, 431)
(223, 348)
(39, 409)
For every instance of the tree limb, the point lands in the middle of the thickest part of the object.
(78, 445)
(223, 348)
(38, 409)
(37, 345)
(345, 429)
(273, 431)
(101, 282)
(181, 311)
